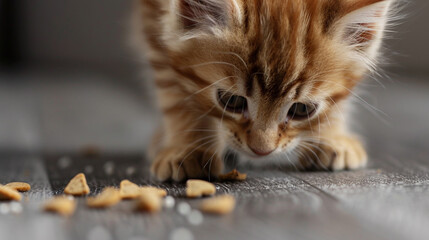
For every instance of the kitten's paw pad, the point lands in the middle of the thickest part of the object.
(178, 165)
(342, 152)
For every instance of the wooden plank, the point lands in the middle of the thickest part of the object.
(391, 194)
(30, 223)
(270, 205)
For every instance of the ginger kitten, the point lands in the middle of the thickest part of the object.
(267, 79)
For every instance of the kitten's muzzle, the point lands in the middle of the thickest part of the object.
(262, 142)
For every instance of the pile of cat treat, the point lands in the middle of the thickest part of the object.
(147, 198)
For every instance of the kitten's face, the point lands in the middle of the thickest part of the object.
(270, 74)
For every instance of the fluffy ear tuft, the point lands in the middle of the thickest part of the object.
(200, 14)
(363, 26)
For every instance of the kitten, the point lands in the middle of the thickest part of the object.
(267, 79)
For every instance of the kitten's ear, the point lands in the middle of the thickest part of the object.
(363, 24)
(205, 14)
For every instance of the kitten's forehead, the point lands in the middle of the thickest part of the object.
(276, 47)
(284, 44)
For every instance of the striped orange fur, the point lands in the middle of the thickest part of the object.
(288, 65)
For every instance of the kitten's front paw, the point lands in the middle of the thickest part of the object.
(178, 165)
(338, 153)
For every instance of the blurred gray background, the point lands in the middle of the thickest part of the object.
(69, 79)
(92, 35)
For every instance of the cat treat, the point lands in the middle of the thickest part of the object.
(77, 186)
(223, 204)
(19, 186)
(8, 193)
(108, 197)
(198, 188)
(157, 191)
(150, 202)
(62, 205)
(129, 190)
(234, 175)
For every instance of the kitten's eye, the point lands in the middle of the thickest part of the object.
(232, 103)
(300, 111)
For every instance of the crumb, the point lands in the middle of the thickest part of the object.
(234, 175)
(19, 186)
(149, 202)
(8, 193)
(218, 205)
(77, 186)
(158, 191)
(61, 205)
(129, 190)
(198, 188)
(108, 197)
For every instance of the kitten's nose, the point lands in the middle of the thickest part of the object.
(262, 141)
(261, 152)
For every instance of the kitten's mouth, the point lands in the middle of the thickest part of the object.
(257, 155)
(261, 153)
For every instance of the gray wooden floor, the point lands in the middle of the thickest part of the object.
(48, 117)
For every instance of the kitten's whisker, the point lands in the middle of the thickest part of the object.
(305, 156)
(223, 112)
(201, 130)
(210, 165)
(239, 57)
(316, 156)
(205, 165)
(288, 159)
(206, 113)
(214, 105)
(312, 142)
(207, 87)
(309, 121)
(214, 62)
(197, 141)
(319, 140)
(319, 74)
(300, 157)
(318, 121)
(374, 112)
(316, 147)
(356, 96)
(338, 108)
(193, 130)
(327, 118)
(195, 149)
